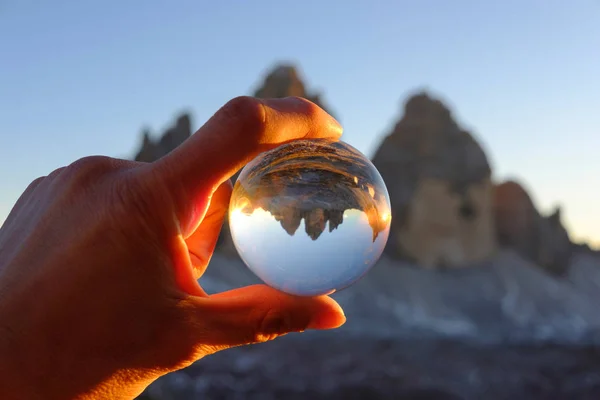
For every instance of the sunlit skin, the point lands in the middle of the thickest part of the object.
(99, 263)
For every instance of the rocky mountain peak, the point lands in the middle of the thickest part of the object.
(153, 149)
(439, 181)
(520, 226)
(283, 81)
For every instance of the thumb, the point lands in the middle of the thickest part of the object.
(258, 313)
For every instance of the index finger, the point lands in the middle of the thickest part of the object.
(237, 133)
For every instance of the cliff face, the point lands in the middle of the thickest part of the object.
(152, 150)
(440, 187)
(284, 81)
(540, 239)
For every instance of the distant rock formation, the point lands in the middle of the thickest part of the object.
(284, 81)
(439, 182)
(540, 239)
(151, 150)
(446, 212)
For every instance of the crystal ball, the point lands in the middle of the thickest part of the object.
(310, 217)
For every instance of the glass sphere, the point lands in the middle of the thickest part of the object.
(310, 217)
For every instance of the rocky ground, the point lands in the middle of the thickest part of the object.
(504, 299)
(503, 330)
(338, 366)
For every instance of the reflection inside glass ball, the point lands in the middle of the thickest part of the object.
(310, 217)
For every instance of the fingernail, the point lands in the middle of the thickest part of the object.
(328, 319)
(287, 104)
(302, 105)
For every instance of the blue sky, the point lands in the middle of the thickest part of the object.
(295, 262)
(78, 78)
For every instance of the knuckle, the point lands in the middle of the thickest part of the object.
(87, 171)
(308, 107)
(35, 182)
(56, 172)
(97, 182)
(90, 163)
(32, 186)
(247, 110)
(313, 111)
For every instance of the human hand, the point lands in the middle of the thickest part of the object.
(99, 263)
